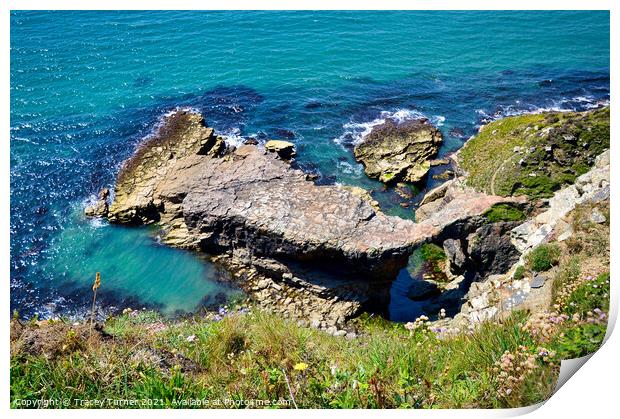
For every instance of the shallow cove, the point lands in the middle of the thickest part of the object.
(144, 274)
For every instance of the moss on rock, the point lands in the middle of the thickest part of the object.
(504, 212)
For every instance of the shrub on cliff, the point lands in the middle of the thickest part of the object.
(543, 257)
(504, 212)
(519, 273)
(432, 253)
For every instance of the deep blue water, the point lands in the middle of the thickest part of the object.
(86, 87)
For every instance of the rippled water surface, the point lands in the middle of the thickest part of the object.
(86, 87)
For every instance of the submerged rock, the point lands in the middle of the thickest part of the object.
(399, 152)
(421, 290)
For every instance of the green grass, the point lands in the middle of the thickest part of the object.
(519, 273)
(543, 257)
(546, 161)
(247, 356)
(250, 356)
(504, 212)
(432, 253)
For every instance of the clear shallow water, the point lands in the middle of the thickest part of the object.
(86, 87)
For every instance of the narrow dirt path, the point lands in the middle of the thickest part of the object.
(495, 175)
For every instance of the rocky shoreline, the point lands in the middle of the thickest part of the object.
(320, 254)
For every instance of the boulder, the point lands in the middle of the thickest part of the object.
(596, 217)
(538, 281)
(284, 149)
(396, 152)
(456, 256)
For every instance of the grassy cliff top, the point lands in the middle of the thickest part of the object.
(534, 154)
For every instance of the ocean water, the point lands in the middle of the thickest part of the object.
(87, 87)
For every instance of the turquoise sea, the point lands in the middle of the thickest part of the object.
(87, 87)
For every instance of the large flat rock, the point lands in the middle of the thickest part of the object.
(218, 199)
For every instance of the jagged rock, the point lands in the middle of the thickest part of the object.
(99, 208)
(284, 149)
(436, 193)
(592, 186)
(597, 217)
(447, 174)
(455, 255)
(399, 151)
(439, 162)
(491, 250)
(457, 201)
(538, 281)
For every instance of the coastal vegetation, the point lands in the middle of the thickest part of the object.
(504, 212)
(534, 154)
(543, 257)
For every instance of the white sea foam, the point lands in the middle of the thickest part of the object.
(354, 132)
(355, 170)
(561, 105)
(233, 137)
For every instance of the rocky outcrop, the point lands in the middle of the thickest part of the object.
(399, 151)
(453, 199)
(490, 249)
(502, 291)
(100, 207)
(215, 200)
(264, 219)
(592, 186)
(453, 249)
